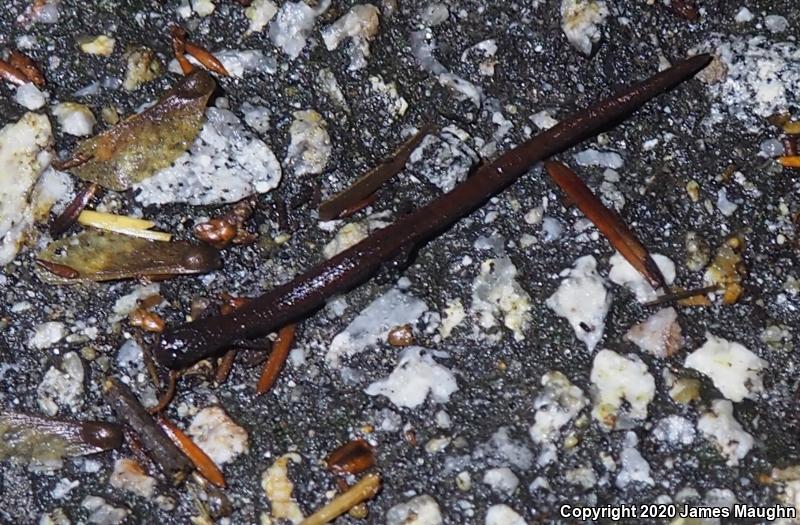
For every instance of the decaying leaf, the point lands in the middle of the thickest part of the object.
(46, 440)
(142, 144)
(95, 255)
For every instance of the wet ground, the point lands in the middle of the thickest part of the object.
(313, 409)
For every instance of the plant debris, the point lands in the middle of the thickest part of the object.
(204, 465)
(146, 142)
(354, 457)
(364, 490)
(608, 222)
(97, 255)
(349, 199)
(45, 440)
(156, 443)
(276, 360)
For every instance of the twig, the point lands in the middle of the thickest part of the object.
(158, 446)
(184, 345)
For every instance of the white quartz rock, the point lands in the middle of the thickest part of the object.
(62, 386)
(74, 119)
(444, 158)
(503, 515)
(497, 293)
(289, 30)
(310, 145)
(260, 12)
(23, 158)
(29, 96)
(278, 489)
(360, 25)
(415, 376)
(502, 480)
(580, 21)
(659, 334)
(103, 513)
(617, 380)
(349, 235)
(218, 435)
(558, 402)
(734, 369)
(623, 274)
(394, 308)
(226, 163)
(423, 53)
(47, 334)
(420, 510)
(129, 475)
(583, 300)
(720, 425)
(635, 468)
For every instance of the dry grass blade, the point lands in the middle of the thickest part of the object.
(362, 491)
(204, 464)
(608, 222)
(361, 190)
(273, 366)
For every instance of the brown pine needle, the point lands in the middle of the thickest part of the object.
(205, 57)
(369, 183)
(790, 161)
(204, 464)
(607, 221)
(27, 67)
(273, 366)
(12, 74)
(362, 491)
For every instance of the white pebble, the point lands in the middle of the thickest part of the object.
(29, 96)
